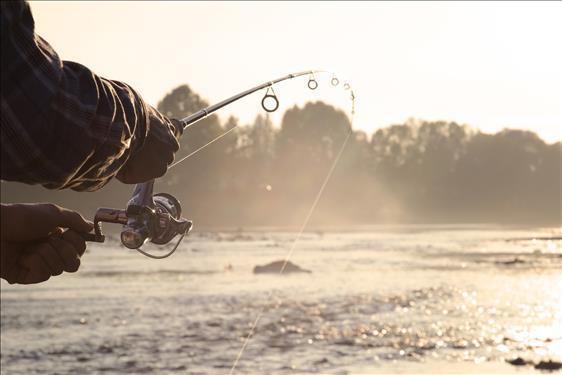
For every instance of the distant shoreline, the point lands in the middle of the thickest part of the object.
(556, 231)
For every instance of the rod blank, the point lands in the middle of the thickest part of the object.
(197, 116)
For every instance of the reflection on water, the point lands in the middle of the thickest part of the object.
(414, 299)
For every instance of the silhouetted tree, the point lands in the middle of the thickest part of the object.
(418, 171)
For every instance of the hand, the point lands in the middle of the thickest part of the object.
(157, 153)
(34, 246)
(36, 262)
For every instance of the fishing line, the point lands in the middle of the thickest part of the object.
(319, 194)
(147, 254)
(290, 253)
(202, 147)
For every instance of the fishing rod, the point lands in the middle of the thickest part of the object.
(157, 218)
(312, 84)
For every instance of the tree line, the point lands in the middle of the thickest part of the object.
(415, 172)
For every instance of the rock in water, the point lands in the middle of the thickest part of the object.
(550, 365)
(275, 267)
(517, 361)
(542, 365)
(511, 262)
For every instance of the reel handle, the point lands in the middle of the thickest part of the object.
(108, 215)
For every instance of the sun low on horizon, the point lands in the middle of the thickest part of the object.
(488, 65)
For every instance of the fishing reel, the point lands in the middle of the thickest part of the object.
(148, 217)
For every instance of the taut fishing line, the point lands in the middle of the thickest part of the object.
(312, 84)
(294, 244)
(202, 147)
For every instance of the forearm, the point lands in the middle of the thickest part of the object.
(95, 125)
(62, 126)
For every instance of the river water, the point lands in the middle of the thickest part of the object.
(384, 299)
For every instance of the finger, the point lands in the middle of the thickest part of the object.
(178, 127)
(30, 222)
(160, 170)
(67, 253)
(123, 176)
(15, 273)
(131, 174)
(36, 271)
(9, 266)
(175, 144)
(73, 220)
(166, 142)
(20, 275)
(169, 159)
(75, 240)
(134, 175)
(50, 257)
(42, 219)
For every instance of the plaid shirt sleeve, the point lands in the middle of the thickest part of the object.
(61, 125)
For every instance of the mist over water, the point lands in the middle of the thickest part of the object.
(407, 298)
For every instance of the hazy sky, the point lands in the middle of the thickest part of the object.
(490, 65)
